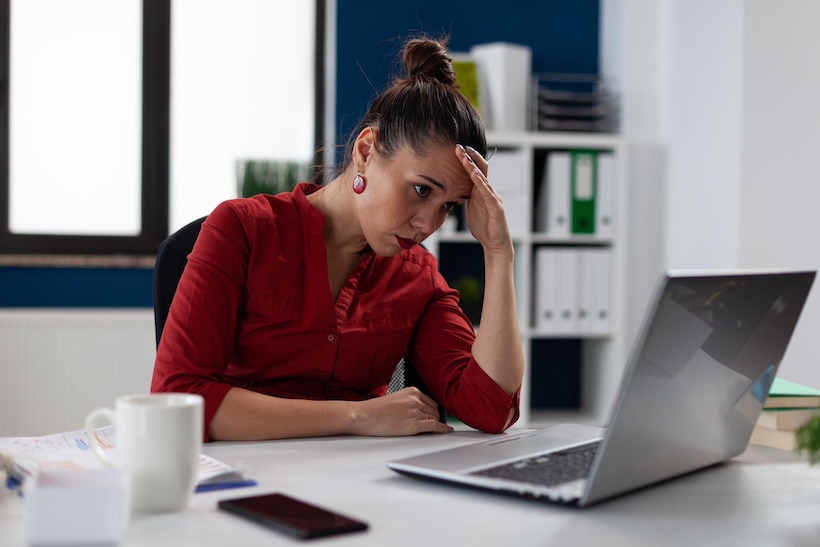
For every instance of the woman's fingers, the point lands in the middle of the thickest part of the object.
(475, 158)
(405, 412)
(474, 164)
(427, 407)
(477, 167)
(430, 421)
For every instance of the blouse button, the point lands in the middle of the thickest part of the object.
(330, 338)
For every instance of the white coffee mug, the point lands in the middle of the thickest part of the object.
(158, 443)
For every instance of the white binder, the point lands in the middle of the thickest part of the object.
(602, 323)
(555, 288)
(546, 290)
(555, 193)
(573, 290)
(509, 175)
(605, 203)
(587, 290)
(568, 259)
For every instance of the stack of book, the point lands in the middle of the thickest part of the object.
(788, 406)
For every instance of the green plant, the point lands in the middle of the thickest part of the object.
(807, 439)
(268, 176)
(471, 296)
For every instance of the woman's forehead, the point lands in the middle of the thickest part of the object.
(440, 166)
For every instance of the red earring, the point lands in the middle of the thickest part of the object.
(358, 184)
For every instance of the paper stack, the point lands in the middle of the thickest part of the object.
(71, 450)
(788, 406)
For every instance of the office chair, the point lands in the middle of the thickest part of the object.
(172, 257)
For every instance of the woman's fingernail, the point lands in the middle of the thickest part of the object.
(471, 149)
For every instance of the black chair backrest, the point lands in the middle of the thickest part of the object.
(172, 256)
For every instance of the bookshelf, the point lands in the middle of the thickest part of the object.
(572, 372)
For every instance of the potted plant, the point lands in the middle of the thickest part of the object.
(807, 439)
(268, 176)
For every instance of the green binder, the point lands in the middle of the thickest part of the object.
(584, 173)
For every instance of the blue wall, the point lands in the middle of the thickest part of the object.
(46, 287)
(563, 35)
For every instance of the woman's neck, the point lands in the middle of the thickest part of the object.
(342, 231)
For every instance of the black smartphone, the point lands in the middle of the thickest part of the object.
(292, 516)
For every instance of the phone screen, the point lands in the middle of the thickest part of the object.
(292, 516)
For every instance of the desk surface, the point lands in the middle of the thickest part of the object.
(763, 497)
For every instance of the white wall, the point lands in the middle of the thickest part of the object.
(60, 364)
(631, 56)
(702, 96)
(720, 117)
(780, 194)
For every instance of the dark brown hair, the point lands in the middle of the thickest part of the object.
(423, 108)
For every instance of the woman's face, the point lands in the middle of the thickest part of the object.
(409, 196)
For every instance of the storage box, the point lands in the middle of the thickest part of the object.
(504, 75)
(76, 507)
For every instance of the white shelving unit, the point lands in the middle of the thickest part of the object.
(602, 355)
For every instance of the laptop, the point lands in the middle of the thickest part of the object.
(693, 388)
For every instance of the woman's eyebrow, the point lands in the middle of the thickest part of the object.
(434, 182)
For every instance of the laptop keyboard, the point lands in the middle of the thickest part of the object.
(548, 469)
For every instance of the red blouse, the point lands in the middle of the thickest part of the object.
(254, 309)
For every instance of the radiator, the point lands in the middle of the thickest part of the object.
(56, 366)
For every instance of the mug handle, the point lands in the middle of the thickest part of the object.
(90, 423)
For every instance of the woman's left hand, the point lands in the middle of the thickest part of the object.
(485, 208)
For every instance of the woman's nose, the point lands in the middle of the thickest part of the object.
(427, 220)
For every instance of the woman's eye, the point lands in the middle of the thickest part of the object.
(422, 190)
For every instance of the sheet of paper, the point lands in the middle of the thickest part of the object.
(71, 450)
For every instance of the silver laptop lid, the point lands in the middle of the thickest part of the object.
(698, 375)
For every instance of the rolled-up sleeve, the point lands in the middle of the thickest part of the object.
(441, 351)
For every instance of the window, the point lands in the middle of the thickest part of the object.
(243, 86)
(122, 120)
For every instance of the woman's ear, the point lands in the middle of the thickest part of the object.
(363, 148)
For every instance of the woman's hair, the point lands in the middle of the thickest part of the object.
(424, 108)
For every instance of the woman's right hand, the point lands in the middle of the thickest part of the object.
(485, 209)
(404, 412)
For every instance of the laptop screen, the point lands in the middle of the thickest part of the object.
(699, 373)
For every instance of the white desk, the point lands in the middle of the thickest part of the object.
(765, 497)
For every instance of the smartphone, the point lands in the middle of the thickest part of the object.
(292, 516)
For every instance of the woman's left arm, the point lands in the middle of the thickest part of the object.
(497, 347)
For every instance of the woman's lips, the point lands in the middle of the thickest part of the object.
(405, 243)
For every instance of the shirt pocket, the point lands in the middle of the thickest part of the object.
(265, 324)
(261, 310)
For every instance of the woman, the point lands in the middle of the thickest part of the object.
(294, 309)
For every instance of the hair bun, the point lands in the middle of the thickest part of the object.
(428, 58)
